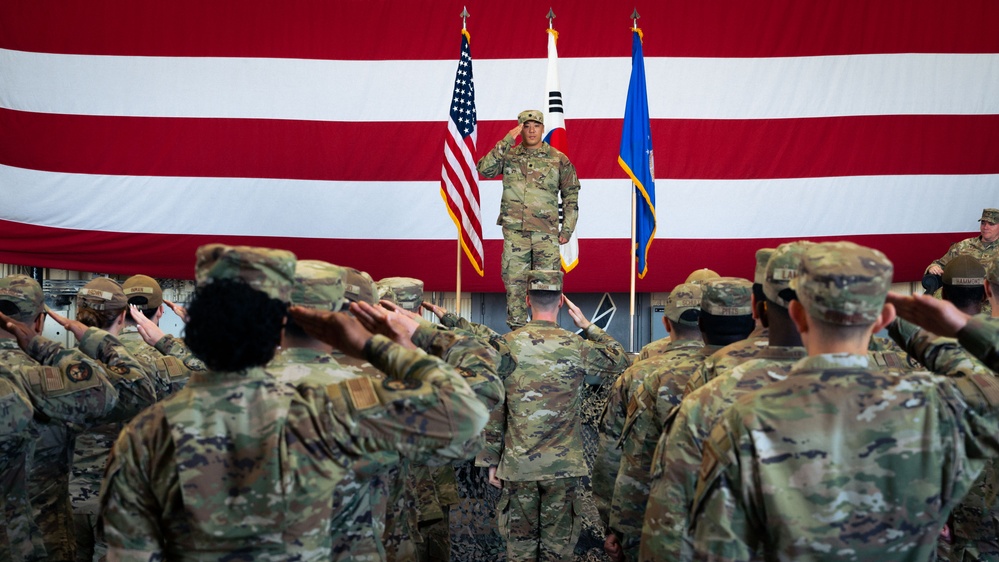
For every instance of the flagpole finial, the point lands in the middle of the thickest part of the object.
(464, 16)
(550, 16)
(634, 17)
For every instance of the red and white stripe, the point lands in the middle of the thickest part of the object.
(130, 134)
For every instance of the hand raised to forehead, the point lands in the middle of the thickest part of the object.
(389, 323)
(339, 329)
(78, 328)
(150, 332)
(21, 330)
(936, 315)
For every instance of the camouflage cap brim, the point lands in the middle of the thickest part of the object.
(269, 270)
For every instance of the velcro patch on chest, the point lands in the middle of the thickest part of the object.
(362, 393)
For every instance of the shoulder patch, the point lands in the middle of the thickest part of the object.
(362, 393)
(979, 389)
(77, 372)
(170, 367)
(53, 378)
(402, 384)
(119, 369)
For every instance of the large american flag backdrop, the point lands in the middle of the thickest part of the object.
(133, 131)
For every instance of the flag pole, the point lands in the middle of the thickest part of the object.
(633, 264)
(632, 257)
(457, 281)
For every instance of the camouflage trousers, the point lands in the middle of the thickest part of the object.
(89, 548)
(433, 543)
(541, 520)
(524, 251)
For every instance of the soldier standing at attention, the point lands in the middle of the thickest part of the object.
(538, 460)
(535, 175)
(842, 460)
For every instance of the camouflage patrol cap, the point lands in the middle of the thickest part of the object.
(681, 299)
(781, 269)
(762, 257)
(358, 286)
(531, 115)
(408, 291)
(843, 283)
(964, 271)
(701, 275)
(384, 292)
(318, 285)
(267, 270)
(727, 296)
(25, 293)
(102, 293)
(544, 280)
(143, 291)
(990, 215)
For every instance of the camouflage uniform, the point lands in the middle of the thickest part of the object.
(633, 422)
(355, 532)
(842, 460)
(984, 252)
(533, 182)
(430, 491)
(974, 523)
(725, 359)
(19, 538)
(244, 466)
(677, 457)
(91, 445)
(981, 339)
(661, 386)
(175, 347)
(682, 307)
(66, 387)
(540, 455)
(474, 531)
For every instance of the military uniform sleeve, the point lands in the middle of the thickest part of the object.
(507, 363)
(569, 189)
(667, 513)
(722, 527)
(424, 409)
(631, 488)
(952, 252)
(608, 457)
(491, 165)
(175, 347)
(130, 513)
(133, 383)
(67, 385)
(474, 360)
(981, 339)
(938, 354)
(603, 355)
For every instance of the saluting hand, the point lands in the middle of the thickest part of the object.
(22, 331)
(339, 329)
(936, 315)
(577, 315)
(389, 323)
(150, 332)
(515, 132)
(78, 328)
(438, 311)
(177, 309)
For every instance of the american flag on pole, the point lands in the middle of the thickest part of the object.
(459, 179)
